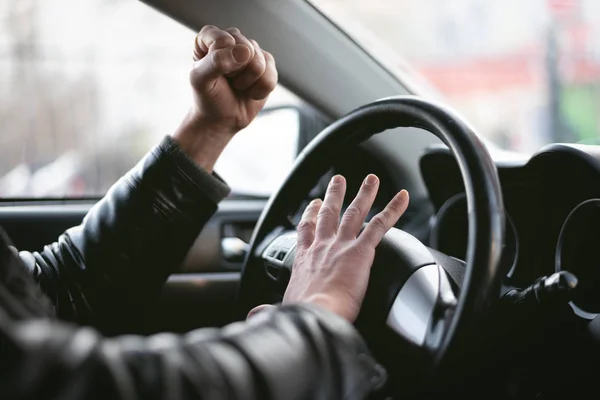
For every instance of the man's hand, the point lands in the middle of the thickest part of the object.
(333, 261)
(231, 79)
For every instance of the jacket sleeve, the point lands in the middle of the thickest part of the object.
(105, 270)
(290, 352)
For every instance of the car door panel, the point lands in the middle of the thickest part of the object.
(195, 300)
(31, 227)
(201, 293)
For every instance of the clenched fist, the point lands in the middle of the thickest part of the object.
(231, 79)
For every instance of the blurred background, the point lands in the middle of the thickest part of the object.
(87, 87)
(524, 72)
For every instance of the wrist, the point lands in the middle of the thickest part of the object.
(331, 304)
(322, 301)
(202, 140)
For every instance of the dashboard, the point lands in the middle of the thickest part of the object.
(552, 203)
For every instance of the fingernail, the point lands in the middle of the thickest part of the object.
(240, 53)
(403, 195)
(371, 179)
(337, 179)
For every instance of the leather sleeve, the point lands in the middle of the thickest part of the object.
(291, 352)
(105, 270)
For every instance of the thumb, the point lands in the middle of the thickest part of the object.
(258, 309)
(220, 62)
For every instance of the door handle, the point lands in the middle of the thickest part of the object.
(234, 249)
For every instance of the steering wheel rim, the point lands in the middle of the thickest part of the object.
(483, 274)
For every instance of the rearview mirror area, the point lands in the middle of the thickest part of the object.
(259, 157)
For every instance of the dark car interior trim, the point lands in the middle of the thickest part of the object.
(201, 293)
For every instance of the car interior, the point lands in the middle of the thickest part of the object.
(488, 285)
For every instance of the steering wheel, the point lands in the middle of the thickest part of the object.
(411, 303)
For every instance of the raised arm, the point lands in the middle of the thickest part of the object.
(104, 270)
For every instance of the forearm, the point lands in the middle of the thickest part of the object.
(291, 352)
(202, 140)
(104, 270)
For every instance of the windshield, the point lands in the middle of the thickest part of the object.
(524, 73)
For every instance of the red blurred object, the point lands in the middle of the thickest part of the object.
(563, 8)
(517, 71)
(77, 187)
(486, 75)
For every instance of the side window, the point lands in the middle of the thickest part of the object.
(258, 158)
(87, 88)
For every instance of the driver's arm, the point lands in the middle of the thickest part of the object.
(293, 352)
(304, 349)
(104, 271)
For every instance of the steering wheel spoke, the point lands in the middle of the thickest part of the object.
(278, 257)
(419, 312)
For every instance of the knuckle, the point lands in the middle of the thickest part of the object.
(268, 56)
(335, 188)
(353, 213)
(264, 86)
(306, 225)
(379, 222)
(319, 247)
(302, 244)
(366, 191)
(257, 66)
(198, 53)
(271, 82)
(311, 209)
(357, 250)
(394, 208)
(307, 211)
(223, 39)
(217, 59)
(327, 211)
(233, 30)
(256, 78)
(207, 28)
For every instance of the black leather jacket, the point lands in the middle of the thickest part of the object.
(98, 274)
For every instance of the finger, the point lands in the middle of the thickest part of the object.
(211, 37)
(267, 82)
(308, 224)
(218, 63)
(385, 220)
(329, 214)
(356, 213)
(198, 52)
(253, 71)
(240, 39)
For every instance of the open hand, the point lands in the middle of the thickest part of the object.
(333, 261)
